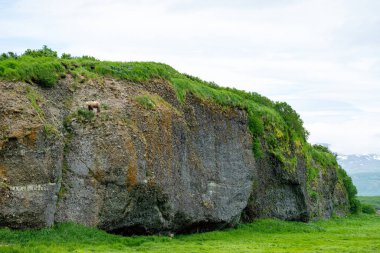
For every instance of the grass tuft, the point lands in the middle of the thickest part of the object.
(146, 102)
(86, 114)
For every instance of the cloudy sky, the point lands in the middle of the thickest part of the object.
(320, 56)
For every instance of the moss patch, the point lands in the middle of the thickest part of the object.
(35, 99)
(146, 102)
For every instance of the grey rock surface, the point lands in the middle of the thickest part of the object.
(30, 164)
(277, 193)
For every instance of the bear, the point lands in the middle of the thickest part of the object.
(92, 105)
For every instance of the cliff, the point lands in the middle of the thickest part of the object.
(166, 152)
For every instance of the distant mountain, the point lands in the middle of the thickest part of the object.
(365, 172)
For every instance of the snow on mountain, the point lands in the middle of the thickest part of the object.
(364, 170)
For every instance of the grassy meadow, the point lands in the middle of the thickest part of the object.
(357, 233)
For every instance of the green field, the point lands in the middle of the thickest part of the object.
(354, 234)
(371, 200)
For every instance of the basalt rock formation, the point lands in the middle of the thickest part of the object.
(154, 159)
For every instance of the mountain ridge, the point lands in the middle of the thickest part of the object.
(364, 170)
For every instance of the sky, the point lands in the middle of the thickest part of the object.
(320, 56)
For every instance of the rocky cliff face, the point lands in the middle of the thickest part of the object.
(130, 168)
(278, 193)
(145, 164)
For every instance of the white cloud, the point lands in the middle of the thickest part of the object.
(321, 56)
(352, 136)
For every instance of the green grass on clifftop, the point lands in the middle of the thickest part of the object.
(276, 127)
(353, 234)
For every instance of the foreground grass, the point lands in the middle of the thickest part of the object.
(353, 234)
(370, 200)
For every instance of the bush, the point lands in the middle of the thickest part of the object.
(8, 55)
(66, 56)
(368, 209)
(355, 205)
(40, 70)
(292, 118)
(10, 74)
(86, 114)
(45, 74)
(89, 58)
(44, 52)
